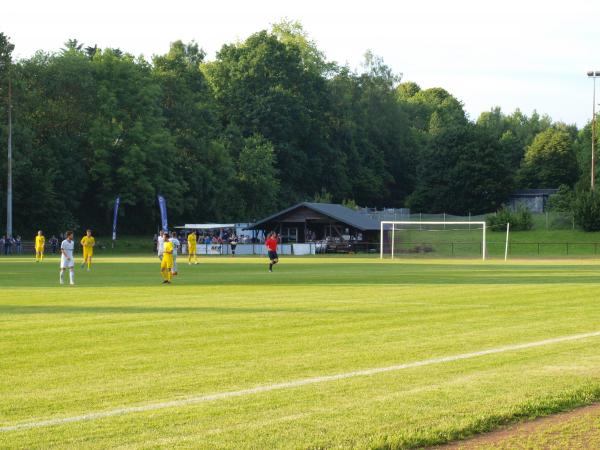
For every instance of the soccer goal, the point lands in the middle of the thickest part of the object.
(433, 239)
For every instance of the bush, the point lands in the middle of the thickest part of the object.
(586, 210)
(563, 200)
(520, 220)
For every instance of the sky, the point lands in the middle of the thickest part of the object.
(527, 54)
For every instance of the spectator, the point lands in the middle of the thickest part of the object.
(7, 245)
(18, 248)
(53, 244)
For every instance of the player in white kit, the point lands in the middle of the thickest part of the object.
(160, 244)
(66, 258)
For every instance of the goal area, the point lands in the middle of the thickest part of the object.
(401, 239)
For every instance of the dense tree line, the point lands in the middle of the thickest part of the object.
(267, 123)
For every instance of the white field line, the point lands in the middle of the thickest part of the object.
(290, 384)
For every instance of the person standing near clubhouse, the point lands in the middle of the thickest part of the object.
(191, 239)
(66, 258)
(271, 244)
(40, 243)
(87, 243)
(166, 262)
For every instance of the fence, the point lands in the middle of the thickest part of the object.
(256, 249)
(549, 220)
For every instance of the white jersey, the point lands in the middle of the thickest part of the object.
(176, 245)
(67, 248)
(160, 246)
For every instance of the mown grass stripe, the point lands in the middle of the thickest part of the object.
(292, 384)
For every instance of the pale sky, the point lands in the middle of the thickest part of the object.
(529, 54)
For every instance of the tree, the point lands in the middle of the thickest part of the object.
(462, 170)
(257, 177)
(132, 152)
(549, 161)
(586, 209)
(204, 159)
(292, 33)
(261, 87)
(72, 45)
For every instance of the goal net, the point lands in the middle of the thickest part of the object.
(399, 239)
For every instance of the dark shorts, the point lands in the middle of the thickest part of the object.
(273, 255)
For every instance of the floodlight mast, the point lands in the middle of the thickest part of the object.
(9, 202)
(9, 196)
(593, 74)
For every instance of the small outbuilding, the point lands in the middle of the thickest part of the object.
(534, 200)
(311, 222)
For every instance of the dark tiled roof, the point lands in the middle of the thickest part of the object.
(533, 192)
(337, 212)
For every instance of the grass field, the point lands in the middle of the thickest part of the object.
(120, 339)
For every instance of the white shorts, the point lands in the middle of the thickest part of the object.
(64, 264)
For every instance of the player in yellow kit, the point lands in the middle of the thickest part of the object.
(192, 248)
(40, 243)
(166, 263)
(87, 243)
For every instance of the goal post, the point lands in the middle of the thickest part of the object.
(436, 237)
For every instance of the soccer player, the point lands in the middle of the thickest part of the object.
(87, 243)
(166, 263)
(233, 242)
(271, 244)
(176, 247)
(192, 248)
(160, 244)
(66, 258)
(40, 243)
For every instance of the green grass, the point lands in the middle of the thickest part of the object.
(120, 338)
(580, 431)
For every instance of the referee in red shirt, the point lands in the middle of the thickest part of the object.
(271, 244)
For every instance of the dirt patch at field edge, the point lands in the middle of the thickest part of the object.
(579, 428)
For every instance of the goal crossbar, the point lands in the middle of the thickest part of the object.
(412, 222)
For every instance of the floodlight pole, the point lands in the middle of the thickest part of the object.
(9, 196)
(593, 74)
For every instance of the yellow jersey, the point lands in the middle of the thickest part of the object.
(168, 249)
(88, 242)
(191, 239)
(40, 241)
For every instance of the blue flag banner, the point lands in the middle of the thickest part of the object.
(115, 214)
(162, 204)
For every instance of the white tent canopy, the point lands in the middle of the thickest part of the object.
(207, 226)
